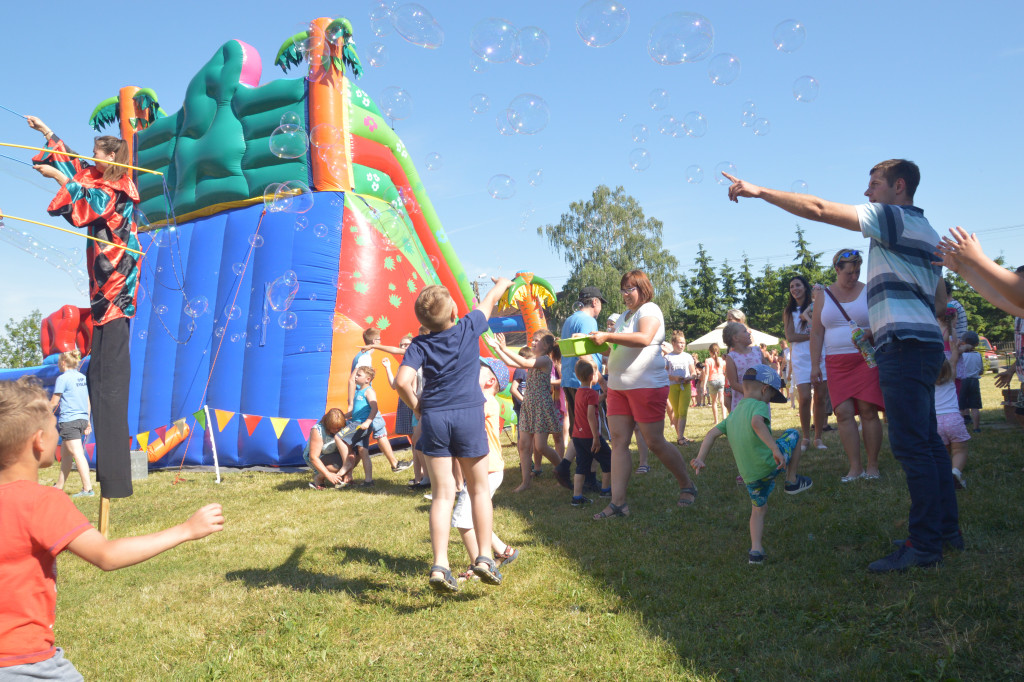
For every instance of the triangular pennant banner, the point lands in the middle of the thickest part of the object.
(251, 422)
(143, 440)
(200, 417)
(160, 432)
(279, 424)
(305, 425)
(223, 417)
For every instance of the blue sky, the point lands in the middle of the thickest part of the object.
(938, 83)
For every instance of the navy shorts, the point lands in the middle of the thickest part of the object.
(453, 433)
(585, 457)
(970, 394)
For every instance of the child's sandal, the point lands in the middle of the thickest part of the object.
(446, 584)
(489, 572)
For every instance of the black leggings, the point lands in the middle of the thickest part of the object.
(109, 374)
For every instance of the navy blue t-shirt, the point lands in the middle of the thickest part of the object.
(451, 364)
(520, 376)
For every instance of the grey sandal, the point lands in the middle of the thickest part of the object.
(489, 573)
(616, 510)
(446, 584)
(687, 491)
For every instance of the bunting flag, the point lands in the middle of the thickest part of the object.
(200, 417)
(251, 422)
(143, 440)
(279, 423)
(223, 417)
(305, 425)
(160, 432)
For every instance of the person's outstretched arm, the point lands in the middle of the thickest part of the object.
(963, 255)
(705, 447)
(110, 555)
(802, 205)
(501, 285)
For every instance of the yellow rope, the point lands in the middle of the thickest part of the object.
(77, 234)
(79, 156)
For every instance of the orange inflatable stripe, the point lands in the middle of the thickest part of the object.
(126, 107)
(327, 99)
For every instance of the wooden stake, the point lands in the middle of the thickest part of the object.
(104, 524)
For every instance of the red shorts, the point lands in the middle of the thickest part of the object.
(644, 405)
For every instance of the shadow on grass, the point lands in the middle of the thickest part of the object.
(291, 575)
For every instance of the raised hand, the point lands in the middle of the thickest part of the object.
(741, 188)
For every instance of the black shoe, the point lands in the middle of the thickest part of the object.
(420, 485)
(904, 558)
(948, 542)
(755, 558)
(580, 501)
(562, 475)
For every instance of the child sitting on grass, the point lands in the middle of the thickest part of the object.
(325, 451)
(493, 380)
(39, 523)
(586, 434)
(759, 457)
(451, 414)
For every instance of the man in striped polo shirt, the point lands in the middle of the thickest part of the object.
(905, 295)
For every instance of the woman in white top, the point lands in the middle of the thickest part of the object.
(638, 391)
(797, 322)
(852, 385)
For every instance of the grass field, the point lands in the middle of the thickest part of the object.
(332, 585)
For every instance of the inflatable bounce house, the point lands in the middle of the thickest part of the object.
(288, 219)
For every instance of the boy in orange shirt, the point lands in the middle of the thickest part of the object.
(39, 522)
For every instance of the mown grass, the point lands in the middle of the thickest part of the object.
(319, 585)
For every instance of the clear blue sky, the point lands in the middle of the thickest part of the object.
(938, 83)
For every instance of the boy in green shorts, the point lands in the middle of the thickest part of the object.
(759, 457)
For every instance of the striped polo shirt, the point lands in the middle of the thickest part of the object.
(901, 278)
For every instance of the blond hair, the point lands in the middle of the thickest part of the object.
(736, 315)
(333, 420)
(584, 370)
(946, 372)
(24, 409)
(371, 335)
(70, 359)
(434, 307)
(368, 371)
(678, 334)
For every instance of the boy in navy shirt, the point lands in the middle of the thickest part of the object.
(451, 413)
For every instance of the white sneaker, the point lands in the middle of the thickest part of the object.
(958, 480)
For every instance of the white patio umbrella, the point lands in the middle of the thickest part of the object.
(715, 336)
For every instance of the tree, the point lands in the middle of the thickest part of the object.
(730, 294)
(747, 283)
(766, 300)
(702, 301)
(603, 238)
(807, 260)
(19, 344)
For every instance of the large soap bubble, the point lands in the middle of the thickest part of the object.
(289, 141)
(504, 122)
(639, 159)
(433, 161)
(282, 290)
(536, 177)
(378, 55)
(762, 127)
(601, 22)
(666, 124)
(325, 135)
(417, 25)
(658, 99)
(724, 68)
(529, 114)
(799, 186)
(494, 40)
(640, 133)
(805, 89)
(532, 46)
(501, 187)
(479, 103)
(396, 103)
(725, 167)
(789, 36)
(681, 37)
(197, 306)
(292, 118)
(694, 124)
(694, 174)
(288, 320)
(292, 197)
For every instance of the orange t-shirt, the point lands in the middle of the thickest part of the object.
(492, 424)
(36, 524)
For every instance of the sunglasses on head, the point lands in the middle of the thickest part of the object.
(852, 254)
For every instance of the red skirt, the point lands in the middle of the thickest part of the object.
(850, 377)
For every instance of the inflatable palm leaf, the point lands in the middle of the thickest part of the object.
(289, 55)
(148, 107)
(525, 287)
(105, 113)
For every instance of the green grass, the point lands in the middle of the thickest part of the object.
(321, 585)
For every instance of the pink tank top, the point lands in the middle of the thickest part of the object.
(744, 362)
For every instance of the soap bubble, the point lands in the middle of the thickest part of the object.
(434, 262)
(380, 27)
(142, 335)
(658, 99)
(377, 55)
(479, 103)
(292, 197)
(197, 307)
(640, 133)
(532, 46)
(320, 230)
(161, 310)
(232, 312)
(477, 65)
(255, 240)
(494, 40)
(433, 161)
(416, 25)
(301, 224)
(321, 347)
(681, 37)
(725, 167)
(805, 89)
(789, 36)
(238, 268)
(287, 320)
(310, 45)
(325, 135)
(270, 195)
(289, 141)
(762, 127)
(504, 122)
(536, 177)
(166, 236)
(396, 103)
(694, 174)
(749, 118)
(622, 118)
(235, 338)
(282, 290)
(666, 124)
(694, 124)
(501, 187)
(335, 35)
(381, 11)
(601, 22)
(799, 186)
(218, 332)
(724, 68)
(292, 118)
(312, 297)
(639, 159)
(529, 114)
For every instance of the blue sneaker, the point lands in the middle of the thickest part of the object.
(755, 558)
(798, 486)
(84, 493)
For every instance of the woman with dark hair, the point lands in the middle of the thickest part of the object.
(840, 310)
(638, 388)
(797, 319)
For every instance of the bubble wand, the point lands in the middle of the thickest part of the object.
(79, 156)
(77, 234)
(11, 158)
(12, 111)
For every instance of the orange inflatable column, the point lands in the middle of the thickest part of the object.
(328, 96)
(126, 107)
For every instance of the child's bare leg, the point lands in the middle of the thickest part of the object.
(442, 489)
(757, 527)
(958, 454)
(525, 459)
(606, 480)
(474, 469)
(65, 466)
(364, 454)
(385, 448)
(540, 443)
(81, 463)
(976, 418)
(469, 540)
(577, 485)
